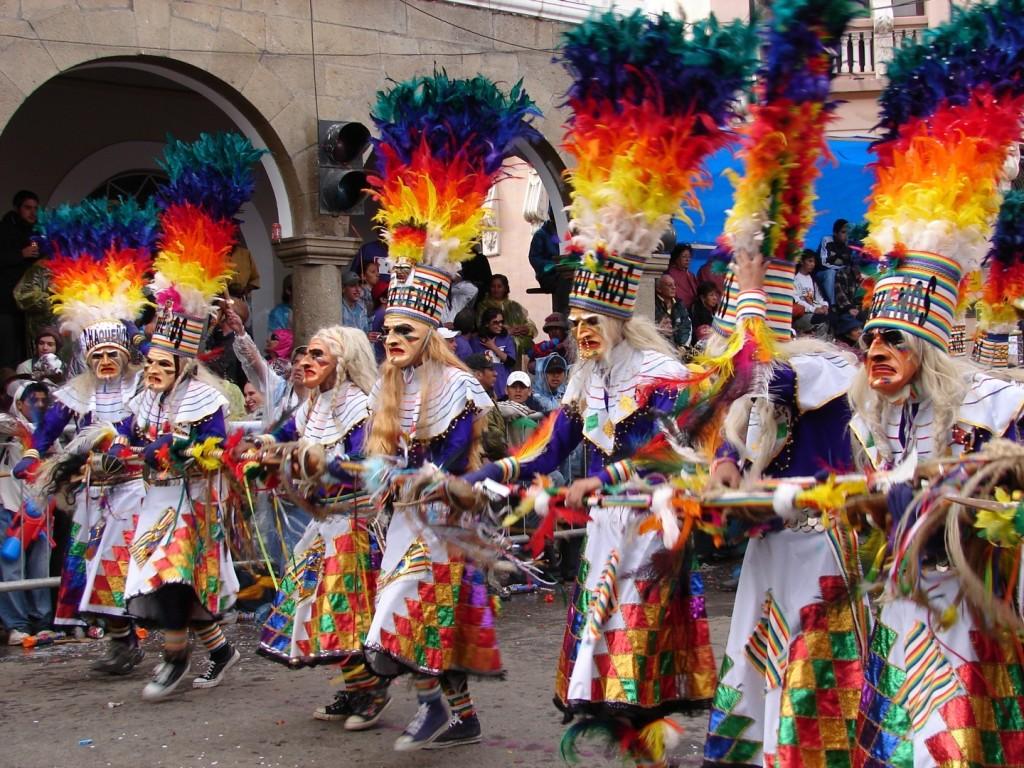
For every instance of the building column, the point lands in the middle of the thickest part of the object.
(653, 269)
(317, 263)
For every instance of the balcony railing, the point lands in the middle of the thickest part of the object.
(857, 53)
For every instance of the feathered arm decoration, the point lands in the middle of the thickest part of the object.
(441, 146)
(649, 103)
(784, 141)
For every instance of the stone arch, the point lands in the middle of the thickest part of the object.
(76, 164)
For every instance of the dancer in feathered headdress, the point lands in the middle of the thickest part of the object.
(650, 100)
(180, 576)
(441, 146)
(98, 255)
(951, 112)
(786, 425)
(1003, 279)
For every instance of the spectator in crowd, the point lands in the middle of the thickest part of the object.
(461, 297)
(23, 612)
(557, 330)
(220, 355)
(278, 351)
(366, 264)
(253, 400)
(276, 389)
(834, 255)
(544, 256)
(549, 385)
(679, 270)
(477, 271)
(456, 342)
(44, 364)
(17, 252)
(281, 314)
(493, 441)
(810, 310)
(353, 310)
(521, 410)
(670, 315)
(246, 277)
(848, 330)
(515, 317)
(497, 345)
(32, 297)
(702, 313)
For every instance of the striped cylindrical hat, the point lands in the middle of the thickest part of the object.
(917, 295)
(606, 284)
(778, 285)
(423, 296)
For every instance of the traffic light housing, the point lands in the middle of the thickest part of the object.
(342, 156)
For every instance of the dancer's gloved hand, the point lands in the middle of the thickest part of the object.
(336, 469)
(152, 454)
(26, 468)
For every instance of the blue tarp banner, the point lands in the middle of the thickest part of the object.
(842, 190)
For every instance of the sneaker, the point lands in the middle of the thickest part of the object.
(168, 674)
(121, 658)
(460, 733)
(15, 636)
(367, 708)
(431, 721)
(215, 670)
(339, 709)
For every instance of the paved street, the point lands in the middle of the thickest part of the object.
(261, 716)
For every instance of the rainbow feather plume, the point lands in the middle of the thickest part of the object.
(98, 256)
(1004, 265)
(209, 180)
(950, 113)
(650, 101)
(782, 144)
(441, 146)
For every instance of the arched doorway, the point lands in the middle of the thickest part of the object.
(106, 120)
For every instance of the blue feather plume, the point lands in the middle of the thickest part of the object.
(92, 227)
(214, 173)
(468, 117)
(982, 45)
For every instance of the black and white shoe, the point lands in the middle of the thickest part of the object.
(216, 668)
(166, 678)
(460, 733)
(367, 708)
(339, 709)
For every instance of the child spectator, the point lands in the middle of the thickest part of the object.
(557, 330)
(549, 384)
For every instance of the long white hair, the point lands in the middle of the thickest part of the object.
(638, 332)
(757, 404)
(353, 352)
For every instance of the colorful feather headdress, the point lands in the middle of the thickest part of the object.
(773, 205)
(650, 101)
(442, 143)
(98, 257)
(951, 113)
(1004, 268)
(209, 180)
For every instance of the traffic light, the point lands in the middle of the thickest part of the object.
(342, 155)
